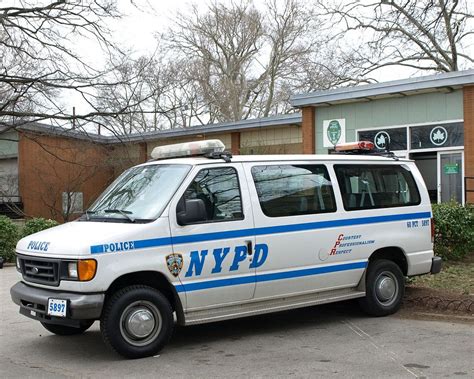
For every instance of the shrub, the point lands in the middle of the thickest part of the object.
(37, 225)
(454, 230)
(8, 238)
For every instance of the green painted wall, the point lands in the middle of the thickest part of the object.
(430, 107)
(7, 147)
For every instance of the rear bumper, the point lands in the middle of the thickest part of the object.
(33, 303)
(436, 264)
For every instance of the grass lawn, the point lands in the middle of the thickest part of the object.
(456, 277)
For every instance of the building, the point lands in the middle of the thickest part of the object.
(429, 119)
(57, 173)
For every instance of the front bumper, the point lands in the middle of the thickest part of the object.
(436, 263)
(33, 303)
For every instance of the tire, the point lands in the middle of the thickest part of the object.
(137, 322)
(385, 287)
(63, 330)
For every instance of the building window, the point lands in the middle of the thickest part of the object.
(290, 190)
(391, 138)
(370, 187)
(437, 136)
(73, 202)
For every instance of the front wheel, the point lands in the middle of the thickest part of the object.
(63, 330)
(385, 287)
(137, 322)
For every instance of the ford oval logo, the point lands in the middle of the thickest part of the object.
(35, 270)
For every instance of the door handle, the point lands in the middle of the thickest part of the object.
(249, 247)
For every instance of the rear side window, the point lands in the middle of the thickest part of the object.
(381, 186)
(290, 190)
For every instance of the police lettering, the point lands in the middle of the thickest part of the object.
(119, 246)
(38, 245)
(198, 258)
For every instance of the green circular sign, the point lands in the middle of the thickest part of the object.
(334, 131)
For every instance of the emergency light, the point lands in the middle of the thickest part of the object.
(354, 146)
(188, 149)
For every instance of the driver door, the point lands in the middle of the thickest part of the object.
(218, 249)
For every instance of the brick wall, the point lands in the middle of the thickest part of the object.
(468, 109)
(308, 129)
(51, 165)
(235, 143)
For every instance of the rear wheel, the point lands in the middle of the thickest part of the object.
(137, 322)
(63, 330)
(385, 287)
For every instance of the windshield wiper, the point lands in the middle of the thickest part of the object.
(122, 212)
(87, 213)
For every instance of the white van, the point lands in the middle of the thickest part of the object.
(211, 237)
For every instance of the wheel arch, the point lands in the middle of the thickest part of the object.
(154, 279)
(392, 253)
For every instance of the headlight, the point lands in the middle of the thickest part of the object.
(82, 270)
(72, 270)
(18, 264)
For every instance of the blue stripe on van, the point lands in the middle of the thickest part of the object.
(188, 287)
(155, 242)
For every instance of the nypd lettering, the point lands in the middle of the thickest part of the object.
(119, 246)
(38, 245)
(198, 259)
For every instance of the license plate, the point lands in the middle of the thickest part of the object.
(57, 307)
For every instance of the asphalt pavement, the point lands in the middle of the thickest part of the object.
(324, 341)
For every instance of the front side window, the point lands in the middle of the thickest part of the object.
(290, 190)
(139, 194)
(381, 186)
(219, 189)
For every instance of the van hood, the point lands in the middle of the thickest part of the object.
(76, 238)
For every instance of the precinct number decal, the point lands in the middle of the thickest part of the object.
(57, 307)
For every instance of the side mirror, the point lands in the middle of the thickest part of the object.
(194, 211)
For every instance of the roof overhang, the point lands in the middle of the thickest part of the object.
(293, 119)
(446, 82)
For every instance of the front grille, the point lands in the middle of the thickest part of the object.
(40, 270)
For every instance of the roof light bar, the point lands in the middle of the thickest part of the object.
(351, 146)
(188, 149)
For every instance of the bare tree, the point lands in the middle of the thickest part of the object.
(240, 56)
(223, 44)
(41, 63)
(242, 61)
(421, 34)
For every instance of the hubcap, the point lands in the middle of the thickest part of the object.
(386, 288)
(140, 323)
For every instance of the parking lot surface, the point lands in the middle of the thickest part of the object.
(326, 341)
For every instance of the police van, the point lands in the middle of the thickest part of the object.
(197, 236)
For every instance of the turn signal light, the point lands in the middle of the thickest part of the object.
(86, 269)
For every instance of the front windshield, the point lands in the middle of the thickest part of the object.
(140, 193)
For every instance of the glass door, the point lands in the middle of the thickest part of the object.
(450, 176)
